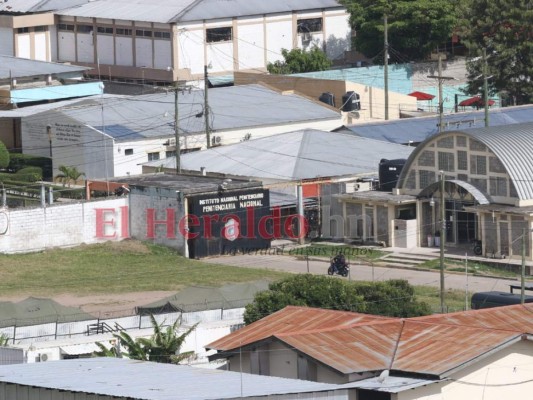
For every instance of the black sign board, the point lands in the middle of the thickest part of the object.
(229, 222)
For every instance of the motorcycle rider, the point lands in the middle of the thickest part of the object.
(338, 262)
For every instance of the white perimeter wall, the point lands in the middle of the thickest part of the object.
(25, 230)
(6, 41)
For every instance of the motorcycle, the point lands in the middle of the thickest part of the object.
(339, 266)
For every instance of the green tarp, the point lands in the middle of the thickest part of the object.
(35, 311)
(200, 298)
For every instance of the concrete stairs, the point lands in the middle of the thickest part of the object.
(404, 260)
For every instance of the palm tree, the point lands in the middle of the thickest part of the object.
(4, 340)
(68, 174)
(163, 346)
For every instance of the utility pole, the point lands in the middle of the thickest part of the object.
(440, 79)
(176, 129)
(523, 269)
(442, 238)
(485, 87)
(386, 66)
(206, 109)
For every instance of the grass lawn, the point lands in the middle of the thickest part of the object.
(453, 299)
(114, 267)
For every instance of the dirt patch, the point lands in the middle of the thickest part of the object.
(105, 305)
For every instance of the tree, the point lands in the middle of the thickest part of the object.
(503, 29)
(298, 61)
(4, 340)
(163, 346)
(68, 175)
(4, 156)
(415, 27)
(393, 298)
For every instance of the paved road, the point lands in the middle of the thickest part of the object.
(366, 272)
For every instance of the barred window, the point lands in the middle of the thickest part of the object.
(105, 30)
(214, 35)
(460, 141)
(310, 25)
(495, 165)
(426, 158)
(84, 28)
(124, 32)
(41, 28)
(477, 145)
(445, 143)
(512, 190)
(425, 178)
(153, 156)
(446, 161)
(462, 177)
(23, 30)
(65, 27)
(462, 160)
(481, 184)
(162, 35)
(411, 180)
(498, 186)
(143, 32)
(478, 165)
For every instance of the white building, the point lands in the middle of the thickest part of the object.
(113, 136)
(170, 40)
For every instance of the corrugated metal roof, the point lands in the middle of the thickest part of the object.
(432, 345)
(36, 6)
(420, 128)
(133, 379)
(16, 67)
(172, 11)
(235, 107)
(302, 154)
(289, 320)
(512, 144)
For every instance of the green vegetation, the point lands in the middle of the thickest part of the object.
(4, 156)
(298, 61)
(68, 175)
(163, 346)
(120, 267)
(394, 298)
(503, 29)
(454, 299)
(4, 340)
(475, 268)
(415, 27)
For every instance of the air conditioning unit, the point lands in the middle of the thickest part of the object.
(352, 187)
(216, 140)
(44, 357)
(171, 142)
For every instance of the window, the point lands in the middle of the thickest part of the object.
(153, 156)
(171, 153)
(218, 34)
(445, 143)
(41, 28)
(427, 159)
(478, 146)
(162, 35)
(462, 160)
(142, 32)
(128, 152)
(23, 30)
(105, 30)
(446, 161)
(481, 184)
(498, 186)
(495, 165)
(426, 178)
(478, 165)
(411, 180)
(84, 28)
(310, 25)
(461, 141)
(65, 27)
(124, 32)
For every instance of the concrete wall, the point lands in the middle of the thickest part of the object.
(6, 41)
(25, 230)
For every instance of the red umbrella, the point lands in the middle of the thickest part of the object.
(475, 101)
(421, 96)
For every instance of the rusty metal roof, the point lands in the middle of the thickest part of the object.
(291, 319)
(516, 317)
(348, 342)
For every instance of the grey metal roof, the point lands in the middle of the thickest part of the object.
(302, 154)
(16, 67)
(172, 11)
(481, 197)
(151, 116)
(37, 6)
(152, 381)
(40, 108)
(512, 144)
(419, 129)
